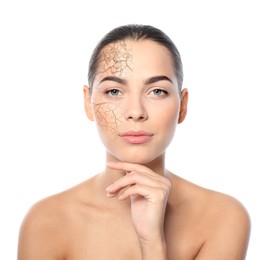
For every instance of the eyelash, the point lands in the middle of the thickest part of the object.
(116, 92)
(163, 92)
(110, 92)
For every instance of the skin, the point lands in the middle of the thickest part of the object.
(135, 208)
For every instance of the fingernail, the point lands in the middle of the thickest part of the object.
(108, 188)
(109, 194)
(109, 163)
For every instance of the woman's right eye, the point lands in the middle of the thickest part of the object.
(113, 92)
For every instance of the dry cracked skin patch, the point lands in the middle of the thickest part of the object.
(115, 60)
(108, 115)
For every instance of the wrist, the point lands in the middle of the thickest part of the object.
(153, 249)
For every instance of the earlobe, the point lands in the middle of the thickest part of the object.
(183, 105)
(87, 103)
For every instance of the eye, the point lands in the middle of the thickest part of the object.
(113, 92)
(158, 92)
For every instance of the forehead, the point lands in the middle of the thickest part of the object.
(143, 58)
(116, 59)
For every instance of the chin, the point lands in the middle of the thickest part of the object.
(138, 157)
(135, 159)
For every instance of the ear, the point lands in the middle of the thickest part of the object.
(87, 102)
(183, 105)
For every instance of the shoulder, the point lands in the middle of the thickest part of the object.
(226, 213)
(228, 230)
(223, 222)
(213, 204)
(46, 226)
(227, 225)
(41, 228)
(47, 211)
(55, 210)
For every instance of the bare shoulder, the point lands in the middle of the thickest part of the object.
(224, 223)
(229, 228)
(228, 216)
(214, 204)
(44, 230)
(41, 227)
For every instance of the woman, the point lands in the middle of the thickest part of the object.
(135, 208)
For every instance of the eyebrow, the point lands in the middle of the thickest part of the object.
(115, 79)
(124, 81)
(156, 79)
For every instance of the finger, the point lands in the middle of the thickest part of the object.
(111, 195)
(151, 194)
(141, 190)
(132, 179)
(129, 167)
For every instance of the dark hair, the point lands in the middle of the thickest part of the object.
(136, 32)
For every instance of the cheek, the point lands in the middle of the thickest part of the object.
(168, 123)
(108, 116)
(168, 113)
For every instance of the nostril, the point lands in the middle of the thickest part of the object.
(141, 117)
(134, 115)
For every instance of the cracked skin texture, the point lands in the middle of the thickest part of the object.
(116, 60)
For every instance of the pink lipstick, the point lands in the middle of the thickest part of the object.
(136, 137)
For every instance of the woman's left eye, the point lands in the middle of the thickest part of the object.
(158, 92)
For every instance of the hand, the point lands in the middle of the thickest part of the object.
(148, 193)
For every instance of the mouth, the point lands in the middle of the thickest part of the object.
(136, 137)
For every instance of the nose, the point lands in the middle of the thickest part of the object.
(135, 109)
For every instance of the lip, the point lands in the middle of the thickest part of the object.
(136, 137)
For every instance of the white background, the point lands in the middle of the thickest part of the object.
(48, 145)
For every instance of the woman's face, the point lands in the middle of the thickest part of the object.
(135, 100)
